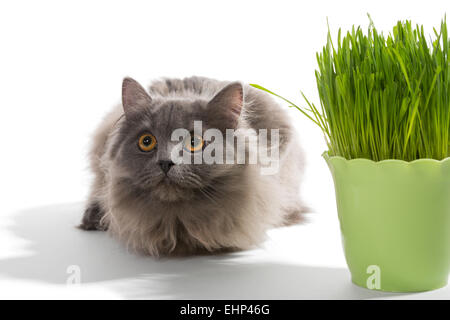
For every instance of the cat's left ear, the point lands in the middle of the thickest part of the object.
(226, 106)
(134, 97)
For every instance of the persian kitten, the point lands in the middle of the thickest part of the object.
(159, 207)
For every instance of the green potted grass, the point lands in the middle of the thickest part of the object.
(385, 113)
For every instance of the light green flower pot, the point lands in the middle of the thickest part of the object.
(395, 221)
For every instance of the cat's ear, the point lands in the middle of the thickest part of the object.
(226, 106)
(134, 96)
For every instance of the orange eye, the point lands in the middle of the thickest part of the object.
(193, 143)
(147, 142)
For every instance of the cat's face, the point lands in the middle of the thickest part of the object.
(144, 145)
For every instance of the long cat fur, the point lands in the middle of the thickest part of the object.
(238, 205)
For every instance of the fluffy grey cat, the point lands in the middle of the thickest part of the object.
(160, 208)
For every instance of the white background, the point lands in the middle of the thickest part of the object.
(61, 67)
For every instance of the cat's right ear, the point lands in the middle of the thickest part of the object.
(134, 96)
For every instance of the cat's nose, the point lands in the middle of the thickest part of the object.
(165, 165)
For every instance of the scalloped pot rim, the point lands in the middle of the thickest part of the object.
(327, 157)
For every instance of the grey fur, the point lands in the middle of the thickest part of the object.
(203, 208)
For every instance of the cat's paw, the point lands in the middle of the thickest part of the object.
(295, 215)
(92, 218)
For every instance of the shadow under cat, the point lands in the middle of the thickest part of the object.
(56, 244)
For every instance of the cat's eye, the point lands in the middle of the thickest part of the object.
(147, 142)
(193, 143)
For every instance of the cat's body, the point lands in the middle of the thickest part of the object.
(191, 208)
